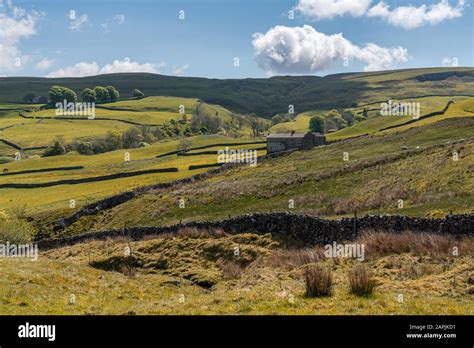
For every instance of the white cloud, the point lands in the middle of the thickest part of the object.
(44, 64)
(411, 17)
(16, 24)
(303, 50)
(327, 9)
(126, 65)
(117, 66)
(178, 70)
(78, 23)
(78, 70)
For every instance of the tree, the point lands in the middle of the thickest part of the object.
(277, 119)
(101, 93)
(132, 138)
(113, 93)
(57, 94)
(113, 140)
(184, 144)
(57, 149)
(88, 95)
(28, 98)
(257, 125)
(317, 124)
(137, 93)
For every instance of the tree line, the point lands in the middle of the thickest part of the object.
(57, 94)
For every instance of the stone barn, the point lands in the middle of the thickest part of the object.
(293, 141)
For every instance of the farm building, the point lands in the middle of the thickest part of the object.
(288, 141)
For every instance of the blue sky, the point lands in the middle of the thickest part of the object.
(42, 38)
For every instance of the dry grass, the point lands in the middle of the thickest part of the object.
(378, 244)
(318, 281)
(295, 258)
(360, 282)
(231, 270)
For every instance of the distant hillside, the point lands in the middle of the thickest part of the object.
(266, 96)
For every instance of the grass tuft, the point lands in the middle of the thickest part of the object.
(318, 281)
(360, 282)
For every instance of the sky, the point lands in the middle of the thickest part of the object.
(232, 38)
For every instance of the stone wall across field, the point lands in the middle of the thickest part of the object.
(306, 229)
(89, 179)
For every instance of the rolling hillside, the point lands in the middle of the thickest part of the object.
(415, 165)
(265, 97)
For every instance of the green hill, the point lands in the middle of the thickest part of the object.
(266, 96)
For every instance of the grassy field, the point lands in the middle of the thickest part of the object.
(197, 272)
(148, 111)
(40, 199)
(156, 103)
(463, 106)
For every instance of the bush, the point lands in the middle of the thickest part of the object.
(132, 138)
(318, 281)
(57, 94)
(15, 230)
(360, 282)
(136, 93)
(57, 149)
(317, 124)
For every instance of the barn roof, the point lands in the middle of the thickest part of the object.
(286, 135)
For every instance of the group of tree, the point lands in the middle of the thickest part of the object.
(258, 125)
(100, 94)
(57, 94)
(334, 120)
(115, 139)
(281, 118)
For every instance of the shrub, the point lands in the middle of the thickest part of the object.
(184, 144)
(15, 230)
(360, 282)
(56, 150)
(132, 138)
(318, 281)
